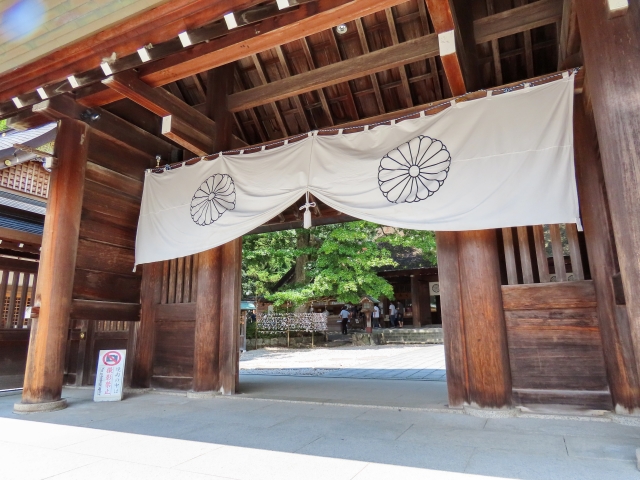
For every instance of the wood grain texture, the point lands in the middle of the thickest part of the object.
(109, 155)
(176, 312)
(108, 125)
(206, 360)
(452, 318)
(173, 353)
(485, 331)
(610, 49)
(45, 363)
(105, 258)
(145, 330)
(614, 322)
(105, 286)
(541, 295)
(97, 310)
(230, 296)
(525, 255)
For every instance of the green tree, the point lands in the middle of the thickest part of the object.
(339, 261)
(266, 258)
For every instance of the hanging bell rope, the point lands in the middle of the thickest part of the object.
(307, 213)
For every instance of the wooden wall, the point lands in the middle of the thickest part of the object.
(555, 349)
(106, 292)
(174, 325)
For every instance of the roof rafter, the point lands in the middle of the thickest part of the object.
(379, 60)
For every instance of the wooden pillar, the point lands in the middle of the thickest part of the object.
(610, 48)
(416, 306)
(206, 362)
(49, 332)
(476, 352)
(216, 354)
(230, 297)
(425, 302)
(452, 318)
(144, 330)
(614, 323)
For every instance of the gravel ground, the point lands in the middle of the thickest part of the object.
(418, 362)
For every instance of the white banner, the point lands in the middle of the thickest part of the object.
(500, 161)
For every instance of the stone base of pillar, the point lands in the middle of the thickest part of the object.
(40, 407)
(209, 394)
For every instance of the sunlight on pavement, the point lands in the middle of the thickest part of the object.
(35, 450)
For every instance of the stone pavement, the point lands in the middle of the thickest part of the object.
(389, 362)
(325, 434)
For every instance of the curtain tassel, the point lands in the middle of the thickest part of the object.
(307, 213)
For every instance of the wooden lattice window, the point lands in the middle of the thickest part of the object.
(28, 177)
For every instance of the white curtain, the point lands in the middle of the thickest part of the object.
(501, 161)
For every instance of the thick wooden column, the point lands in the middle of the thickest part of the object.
(452, 318)
(144, 331)
(206, 363)
(610, 47)
(476, 352)
(614, 322)
(44, 372)
(416, 304)
(485, 329)
(218, 298)
(230, 296)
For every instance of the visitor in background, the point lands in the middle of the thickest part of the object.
(375, 315)
(344, 316)
(400, 315)
(392, 315)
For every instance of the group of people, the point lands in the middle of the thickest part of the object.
(396, 316)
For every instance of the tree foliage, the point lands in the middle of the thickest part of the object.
(342, 261)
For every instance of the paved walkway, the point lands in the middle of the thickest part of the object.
(171, 437)
(389, 362)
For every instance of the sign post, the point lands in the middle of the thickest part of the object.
(110, 376)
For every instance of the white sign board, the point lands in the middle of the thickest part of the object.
(110, 376)
(434, 289)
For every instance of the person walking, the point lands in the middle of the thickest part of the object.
(400, 315)
(375, 315)
(344, 315)
(392, 315)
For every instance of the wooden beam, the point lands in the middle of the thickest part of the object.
(43, 377)
(517, 20)
(17, 265)
(107, 125)
(569, 37)
(219, 86)
(186, 126)
(495, 49)
(352, 68)
(296, 99)
(183, 134)
(611, 57)
(442, 16)
(617, 346)
(159, 26)
(274, 106)
(306, 20)
(18, 236)
(312, 66)
(424, 19)
(401, 69)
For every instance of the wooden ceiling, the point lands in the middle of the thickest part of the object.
(292, 71)
(276, 92)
